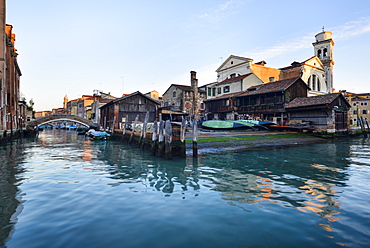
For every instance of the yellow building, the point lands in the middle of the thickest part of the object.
(360, 106)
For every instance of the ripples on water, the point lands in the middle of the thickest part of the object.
(62, 190)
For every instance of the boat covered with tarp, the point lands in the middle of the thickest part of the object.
(234, 124)
(98, 135)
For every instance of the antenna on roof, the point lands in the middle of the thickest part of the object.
(323, 29)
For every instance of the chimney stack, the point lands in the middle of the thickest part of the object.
(194, 86)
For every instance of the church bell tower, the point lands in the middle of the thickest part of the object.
(323, 48)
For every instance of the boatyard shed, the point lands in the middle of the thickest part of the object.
(222, 107)
(267, 100)
(115, 113)
(324, 113)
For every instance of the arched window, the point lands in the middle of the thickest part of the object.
(319, 53)
(325, 52)
(313, 82)
(318, 85)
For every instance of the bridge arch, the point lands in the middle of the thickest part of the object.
(32, 125)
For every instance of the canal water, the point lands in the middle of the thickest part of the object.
(64, 190)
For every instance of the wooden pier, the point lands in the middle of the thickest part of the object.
(165, 139)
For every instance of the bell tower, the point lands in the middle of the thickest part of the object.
(323, 49)
(65, 101)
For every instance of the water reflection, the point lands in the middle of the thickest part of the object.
(11, 166)
(307, 181)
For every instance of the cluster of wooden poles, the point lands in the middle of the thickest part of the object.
(362, 125)
(167, 139)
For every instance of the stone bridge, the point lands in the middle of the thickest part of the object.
(32, 125)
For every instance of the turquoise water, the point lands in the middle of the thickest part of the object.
(62, 190)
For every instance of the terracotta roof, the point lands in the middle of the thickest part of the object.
(183, 87)
(226, 96)
(186, 87)
(270, 87)
(234, 79)
(130, 95)
(104, 100)
(313, 100)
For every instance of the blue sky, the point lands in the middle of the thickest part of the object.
(73, 47)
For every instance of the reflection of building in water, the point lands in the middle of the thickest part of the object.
(8, 191)
(87, 152)
(235, 185)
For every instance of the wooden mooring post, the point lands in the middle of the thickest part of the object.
(182, 139)
(161, 139)
(133, 129)
(168, 140)
(144, 130)
(362, 124)
(124, 128)
(154, 139)
(195, 138)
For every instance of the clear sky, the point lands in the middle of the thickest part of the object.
(73, 47)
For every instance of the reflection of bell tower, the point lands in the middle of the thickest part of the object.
(65, 101)
(323, 48)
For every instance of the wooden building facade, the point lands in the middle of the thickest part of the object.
(115, 113)
(325, 113)
(267, 100)
(264, 101)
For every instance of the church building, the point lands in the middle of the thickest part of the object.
(316, 72)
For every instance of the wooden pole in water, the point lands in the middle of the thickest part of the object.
(124, 128)
(362, 123)
(168, 140)
(133, 129)
(154, 138)
(182, 138)
(161, 139)
(114, 121)
(195, 138)
(145, 125)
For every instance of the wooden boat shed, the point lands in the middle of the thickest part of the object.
(325, 113)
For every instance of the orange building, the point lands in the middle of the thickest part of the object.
(12, 107)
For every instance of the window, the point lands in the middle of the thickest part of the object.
(213, 91)
(313, 82)
(202, 106)
(174, 93)
(226, 89)
(355, 112)
(233, 75)
(209, 91)
(325, 52)
(354, 104)
(364, 111)
(319, 53)
(227, 102)
(318, 85)
(271, 79)
(219, 90)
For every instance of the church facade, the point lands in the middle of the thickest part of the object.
(316, 71)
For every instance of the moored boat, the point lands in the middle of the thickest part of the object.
(98, 135)
(227, 124)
